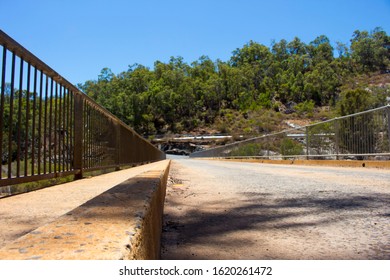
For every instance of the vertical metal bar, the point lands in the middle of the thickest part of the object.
(89, 136)
(360, 132)
(102, 144)
(68, 129)
(358, 135)
(40, 119)
(378, 148)
(33, 122)
(85, 139)
(64, 128)
(61, 130)
(352, 132)
(26, 138)
(118, 145)
(362, 137)
(371, 130)
(78, 136)
(2, 100)
(95, 129)
(10, 119)
(71, 125)
(388, 125)
(88, 131)
(343, 128)
(268, 146)
(45, 125)
(337, 135)
(101, 124)
(345, 141)
(55, 128)
(19, 125)
(50, 122)
(96, 137)
(90, 128)
(40, 123)
(307, 142)
(366, 137)
(92, 157)
(374, 138)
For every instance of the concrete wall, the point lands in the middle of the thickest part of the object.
(124, 222)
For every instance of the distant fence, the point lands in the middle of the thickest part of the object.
(49, 128)
(357, 136)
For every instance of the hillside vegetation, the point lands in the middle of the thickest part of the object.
(254, 91)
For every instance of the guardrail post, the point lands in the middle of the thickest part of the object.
(388, 124)
(78, 136)
(118, 146)
(336, 134)
(268, 148)
(307, 142)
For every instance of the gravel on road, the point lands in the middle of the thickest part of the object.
(230, 210)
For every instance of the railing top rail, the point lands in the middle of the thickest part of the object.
(19, 50)
(351, 115)
(27, 56)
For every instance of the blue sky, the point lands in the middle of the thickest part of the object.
(78, 38)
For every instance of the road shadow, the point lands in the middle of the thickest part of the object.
(262, 213)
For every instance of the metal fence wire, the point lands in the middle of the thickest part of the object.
(364, 135)
(49, 128)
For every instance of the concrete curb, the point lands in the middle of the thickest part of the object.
(335, 163)
(124, 222)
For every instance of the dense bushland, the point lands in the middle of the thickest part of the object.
(253, 91)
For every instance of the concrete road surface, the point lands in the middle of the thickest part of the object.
(231, 210)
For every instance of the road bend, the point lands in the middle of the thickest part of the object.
(234, 210)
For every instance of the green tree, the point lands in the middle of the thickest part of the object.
(320, 50)
(371, 51)
(321, 84)
(355, 101)
(176, 96)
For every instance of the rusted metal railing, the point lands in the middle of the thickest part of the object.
(49, 128)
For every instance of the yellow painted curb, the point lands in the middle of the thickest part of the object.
(336, 163)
